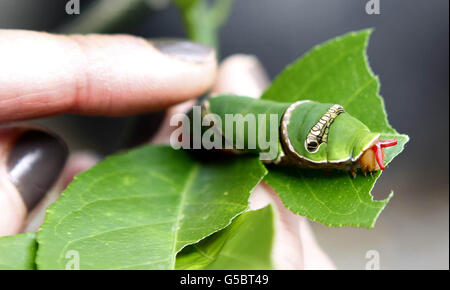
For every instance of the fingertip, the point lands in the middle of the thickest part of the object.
(314, 257)
(241, 74)
(77, 163)
(162, 136)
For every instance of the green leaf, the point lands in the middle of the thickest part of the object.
(138, 210)
(246, 244)
(334, 72)
(18, 252)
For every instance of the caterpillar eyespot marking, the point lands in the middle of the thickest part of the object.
(319, 132)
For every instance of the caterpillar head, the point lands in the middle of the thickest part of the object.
(324, 135)
(373, 158)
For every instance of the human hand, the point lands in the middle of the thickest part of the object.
(43, 74)
(114, 75)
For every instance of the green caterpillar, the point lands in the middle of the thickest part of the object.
(311, 134)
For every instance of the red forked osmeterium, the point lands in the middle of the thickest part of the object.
(378, 150)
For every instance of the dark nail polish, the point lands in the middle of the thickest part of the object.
(182, 49)
(35, 163)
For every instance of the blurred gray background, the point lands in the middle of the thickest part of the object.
(409, 51)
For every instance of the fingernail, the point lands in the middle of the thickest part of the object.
(185, 50)
(35, 163)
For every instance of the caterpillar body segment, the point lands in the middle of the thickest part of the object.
(309, 134)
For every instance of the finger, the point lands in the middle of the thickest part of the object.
(43, 74)
(295, 246)
(77, 163)
(162, 136)
(241, 74)
(313, 256)
(238, 74)
(288, 251)
(30, 162)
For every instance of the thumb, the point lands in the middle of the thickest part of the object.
(31, 160)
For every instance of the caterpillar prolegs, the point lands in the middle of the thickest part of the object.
(309, 134)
